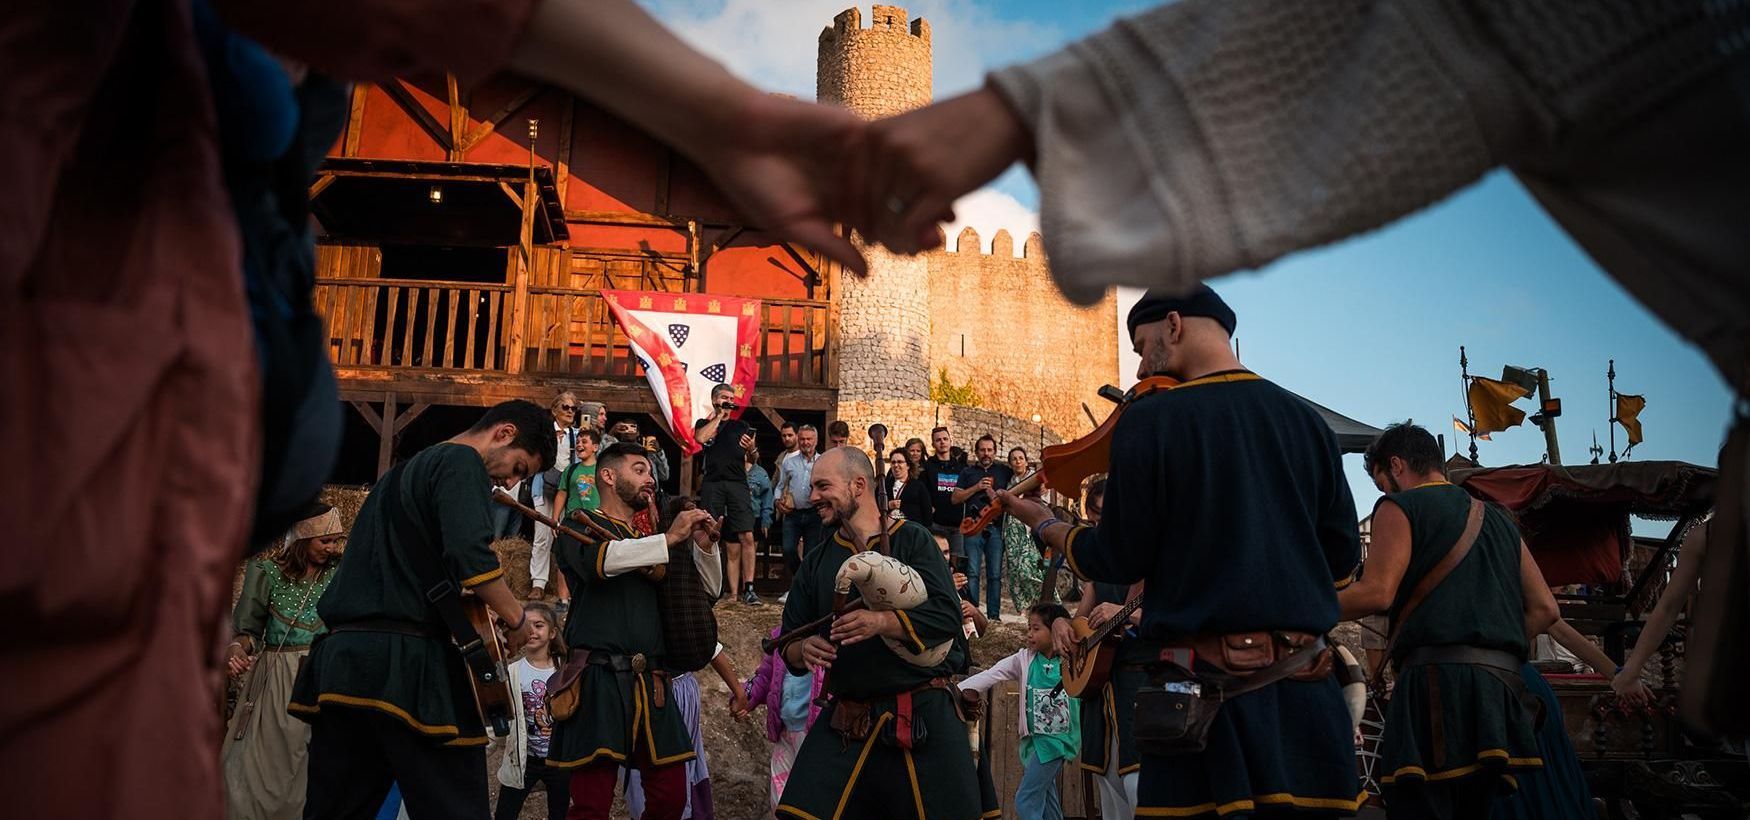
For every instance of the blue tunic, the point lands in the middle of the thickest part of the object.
(1226, 495)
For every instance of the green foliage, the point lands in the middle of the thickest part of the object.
(943, 390)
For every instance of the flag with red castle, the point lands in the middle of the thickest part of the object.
(686, 343)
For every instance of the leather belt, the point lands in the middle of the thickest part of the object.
(1469, 655)
(625, 667)
(412, 629)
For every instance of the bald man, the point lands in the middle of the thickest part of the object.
(909, 757)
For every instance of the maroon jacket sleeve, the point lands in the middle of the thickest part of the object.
(380, 39)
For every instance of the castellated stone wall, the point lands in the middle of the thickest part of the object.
(998, 321)
(877, 71)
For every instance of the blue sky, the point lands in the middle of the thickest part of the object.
(1369, 327)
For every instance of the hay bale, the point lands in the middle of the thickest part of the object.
(513, 555)
(345, 499)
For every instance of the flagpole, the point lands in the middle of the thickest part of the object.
(1611, 403)
(1464, 393)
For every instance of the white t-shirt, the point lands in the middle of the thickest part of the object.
(536, 722)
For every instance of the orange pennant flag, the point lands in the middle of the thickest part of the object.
(1628, 414)
(1491, 402)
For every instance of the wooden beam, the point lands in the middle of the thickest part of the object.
(628, 218)
(407, 416)
(562, 173)
(790, 248)
(321, 184)
(386, 435)
(520, 299)
(467, 141)
(771, 413)
(486, 388)
(355, 120)
(370, 414)
(410, 104)
(458, 117)
(515, 198)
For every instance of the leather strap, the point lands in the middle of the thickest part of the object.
(1283, 667)
(1473, 526)
(1458, 654)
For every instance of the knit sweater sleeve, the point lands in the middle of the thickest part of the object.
(1209, 136)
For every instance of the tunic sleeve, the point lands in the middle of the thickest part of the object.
(1124, 547)
(383, 39)
(1339, 534)
(1208, 136)
(460, 500)
(250, 615)
(937, 619)
(804, 603)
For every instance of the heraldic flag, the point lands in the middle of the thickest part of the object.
(1628, 414)
(688, 342)
(1491, 404)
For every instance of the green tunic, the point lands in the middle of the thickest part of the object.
(836, 777)
(437, 500)
(279, 612)
(621, 716)
(1456, 725)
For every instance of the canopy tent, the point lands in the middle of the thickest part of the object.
(1576, 518)
(1352, 436)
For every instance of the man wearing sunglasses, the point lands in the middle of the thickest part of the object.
(546, 486)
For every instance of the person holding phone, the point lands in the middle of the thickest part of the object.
(724, 491)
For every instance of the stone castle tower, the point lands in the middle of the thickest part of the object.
(963, 311)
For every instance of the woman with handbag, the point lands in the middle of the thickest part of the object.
(265, 754)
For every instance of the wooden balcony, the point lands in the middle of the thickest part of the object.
(471, 343)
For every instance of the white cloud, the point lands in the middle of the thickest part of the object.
(773, 43)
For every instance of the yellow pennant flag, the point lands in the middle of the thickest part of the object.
(1491, 403)
(1628, 414)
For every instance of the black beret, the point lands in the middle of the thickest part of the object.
(1201, 301)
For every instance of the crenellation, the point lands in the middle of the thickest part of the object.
(1035, 247)
(968, 241)
(1003, 244)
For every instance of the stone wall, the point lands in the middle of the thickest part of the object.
(998, 321)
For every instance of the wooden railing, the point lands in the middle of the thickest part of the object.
(449, 326)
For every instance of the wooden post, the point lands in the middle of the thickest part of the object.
(386, 435)
(458, 119)
(520, 278)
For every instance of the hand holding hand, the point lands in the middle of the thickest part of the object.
(916, 164)
(1630, 689)
(237, 662)
(739, 707)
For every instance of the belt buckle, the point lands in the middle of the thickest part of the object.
(638, 663)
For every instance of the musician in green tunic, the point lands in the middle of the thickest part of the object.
(626, 715)
(909, 759)
(387, 693)
(1457, 726)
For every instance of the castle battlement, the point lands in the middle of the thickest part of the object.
(1001, 245)
(881, 18)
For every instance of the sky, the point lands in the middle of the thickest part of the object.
(1369, 327)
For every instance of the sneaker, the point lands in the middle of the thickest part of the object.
(750, 597)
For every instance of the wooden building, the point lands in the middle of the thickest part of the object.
(466, 235)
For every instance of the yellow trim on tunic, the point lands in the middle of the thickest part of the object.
(593, 757)
(381, 706)
(917, 795)
(483, 577)
(1220, 378)
(1252, 803)
(990, 814)
(794, 811)
(905, 621)
(851, 783)
(1345, 581)
(1069, 553)
(1502, 755)
(650, 734)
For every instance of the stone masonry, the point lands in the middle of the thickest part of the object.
(961, 311)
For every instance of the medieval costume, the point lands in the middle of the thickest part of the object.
(1226, 496)
(627, 714)
(386, 692)
(960, 660)
(266, 750)
(1108, 745)
(890, 722)
(1456, 725)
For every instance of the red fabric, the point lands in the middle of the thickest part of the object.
(592, 790)
(674, 376)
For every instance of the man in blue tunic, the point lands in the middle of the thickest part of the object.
(1226, 496)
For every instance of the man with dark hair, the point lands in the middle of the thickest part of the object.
(724, 491)
(977, 484)
(890, 742)
(941, 473)
(787, 437)
(838, 434)
(1465, 599)
(1226, 497)
(627, 714)
(386, 693)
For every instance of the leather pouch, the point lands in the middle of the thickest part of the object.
(1173, 718)
(1245, 651)
(850, 719)
(565, 688)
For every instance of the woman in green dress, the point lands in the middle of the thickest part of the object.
(1026, 568)
(266, 750)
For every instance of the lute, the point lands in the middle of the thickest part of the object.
(1089, 665)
